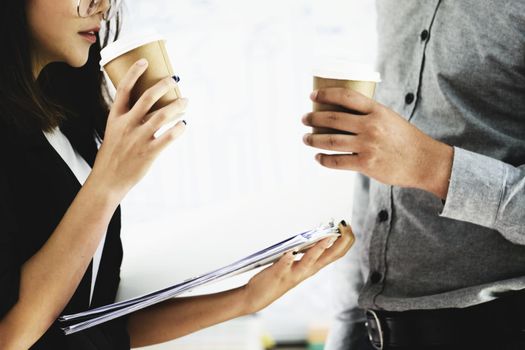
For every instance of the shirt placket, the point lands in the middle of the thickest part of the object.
(413, 88)
(384, 196)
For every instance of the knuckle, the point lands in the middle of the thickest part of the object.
(280, 277)
(142, 152)
(151, 128)
(346, 94)
(339, 255)
(369, 161)
(298, 275)
(349, 238)
(373, 160)
(309, 260)
(172, 135)
(374, 131)
(162, 117)
(372, 106)
(302, 276)
(343, 252)
(376, 108)
(180, 105)
(333, 117)
(166, 83)
(148, 98)
(283, 276)
(333, 141)
(335, 161)
(364, 160)
(123, 88)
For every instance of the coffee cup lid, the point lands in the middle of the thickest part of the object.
(126, 44)
(345, 70)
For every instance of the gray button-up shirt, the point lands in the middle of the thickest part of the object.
(464, 62)
(456, 70)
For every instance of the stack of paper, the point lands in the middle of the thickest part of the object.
(83, 320)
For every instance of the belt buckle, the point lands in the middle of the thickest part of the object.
(371, 330)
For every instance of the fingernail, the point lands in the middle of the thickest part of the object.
(343, 223)
(187, 124)
(176, 78)
(318, 158)
(306, 138)
(314, 94)
(142, 62)
(304, 119)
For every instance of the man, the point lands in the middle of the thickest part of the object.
(439, 212)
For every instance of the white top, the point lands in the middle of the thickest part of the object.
(81, 169)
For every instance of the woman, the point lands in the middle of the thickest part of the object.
(60, 249)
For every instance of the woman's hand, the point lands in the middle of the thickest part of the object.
(274, 281)
(129, 146)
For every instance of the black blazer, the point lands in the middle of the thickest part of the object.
(36, 189)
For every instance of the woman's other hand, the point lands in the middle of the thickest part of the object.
(130, 147)
(274, 281)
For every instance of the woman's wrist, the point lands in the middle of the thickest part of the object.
(104, 190)
(245, 305)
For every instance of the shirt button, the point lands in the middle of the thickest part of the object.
(382, 216)
(424, 35)
(375, 277)
(409, 98)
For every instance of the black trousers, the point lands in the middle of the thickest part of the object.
(513, 342)
(495, 325)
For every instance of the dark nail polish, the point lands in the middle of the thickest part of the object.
(185, 122)
(176, 78)
(343, 223)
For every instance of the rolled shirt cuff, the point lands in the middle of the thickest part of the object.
(476, 188)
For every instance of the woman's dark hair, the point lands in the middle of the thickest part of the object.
(61, 92)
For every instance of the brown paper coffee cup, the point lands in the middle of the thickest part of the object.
(344, 75)
(119, 56)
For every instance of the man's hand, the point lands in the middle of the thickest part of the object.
(384, 146)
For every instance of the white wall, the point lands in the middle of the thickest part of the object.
(240, 178)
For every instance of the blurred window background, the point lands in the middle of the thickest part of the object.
(240, 178)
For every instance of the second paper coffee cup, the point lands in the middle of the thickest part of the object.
(119, 56)
(357, 77)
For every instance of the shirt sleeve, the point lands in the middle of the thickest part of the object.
(487, 192)
(9, 257)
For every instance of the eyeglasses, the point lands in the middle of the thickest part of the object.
(87, 8)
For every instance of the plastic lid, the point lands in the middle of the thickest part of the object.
(346, 70)
(126, 44)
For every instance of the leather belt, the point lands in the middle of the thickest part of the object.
(501, 317)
